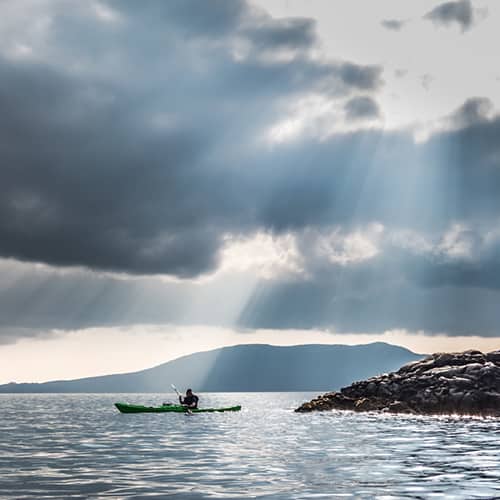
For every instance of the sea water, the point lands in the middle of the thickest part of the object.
(80, 446)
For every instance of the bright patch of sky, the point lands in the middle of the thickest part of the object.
(429, 70)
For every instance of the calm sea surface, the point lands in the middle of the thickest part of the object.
(80, 446)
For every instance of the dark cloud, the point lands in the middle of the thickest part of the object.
(10, 335)
(460, 12)
(89, 178)
(393, 24)
(106, 174)
(452, 311)
(398, 289)
(129, 162)
(402, 287)
(292, 34)
(136, 145)
(361, 108)
(360, 77)
(193, 18)
(479, 270)
(475, 110)
(41, 300)
(78, 182)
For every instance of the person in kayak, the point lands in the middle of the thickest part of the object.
(190, 400)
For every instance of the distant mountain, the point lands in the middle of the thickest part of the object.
(247, 368)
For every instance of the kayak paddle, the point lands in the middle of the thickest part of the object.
(188, 410)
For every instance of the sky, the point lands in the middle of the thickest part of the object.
(179, 176)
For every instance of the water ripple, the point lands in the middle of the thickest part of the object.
(79, 446)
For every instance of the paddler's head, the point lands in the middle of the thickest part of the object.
(189, 392)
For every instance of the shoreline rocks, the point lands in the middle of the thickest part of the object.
(466, 383)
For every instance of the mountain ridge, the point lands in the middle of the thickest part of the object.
(245, 368)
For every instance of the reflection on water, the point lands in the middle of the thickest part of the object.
(79, 446)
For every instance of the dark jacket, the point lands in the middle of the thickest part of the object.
(191, 401)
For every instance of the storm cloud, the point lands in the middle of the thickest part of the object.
(451, 286)
(138, 139)
(107, 167)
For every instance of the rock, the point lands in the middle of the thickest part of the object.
(472, 368)
(442, 359)
(465, 383)
(409, 367)
(468, 401)
(446, 371)
(455, 397)
(494, 357)
(462, 382)
(364, 404)
(371, 389)
(399, 407)
(489, 369)
(473, 352)
(394, 387)
(383, 390)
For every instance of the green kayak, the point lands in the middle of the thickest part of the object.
(126, 408)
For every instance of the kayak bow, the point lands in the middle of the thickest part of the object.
(127, 408)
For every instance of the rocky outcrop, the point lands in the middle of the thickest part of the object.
(466, 383)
